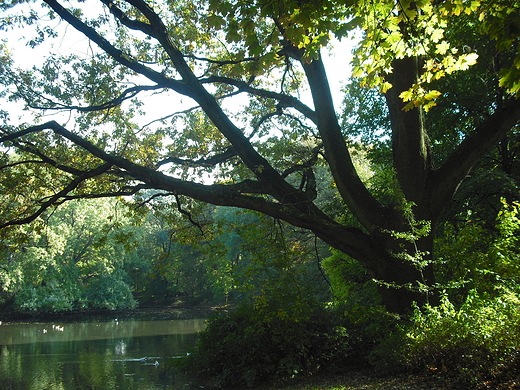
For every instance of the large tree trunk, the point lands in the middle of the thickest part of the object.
(402, 268)
(400, 289)
(405, 274)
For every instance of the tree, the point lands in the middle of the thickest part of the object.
(75, 262)
(258, 152)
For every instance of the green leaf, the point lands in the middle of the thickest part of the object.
(216, 21)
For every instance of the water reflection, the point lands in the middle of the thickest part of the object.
(103, 355)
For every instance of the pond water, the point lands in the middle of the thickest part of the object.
(129, 354)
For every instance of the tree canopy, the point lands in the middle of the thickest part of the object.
(227, 102)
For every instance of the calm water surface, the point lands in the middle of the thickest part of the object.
(130, 354)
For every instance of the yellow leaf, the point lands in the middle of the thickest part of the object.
(429, 105)
(470, 59)
(385, 86)
(442, 47)
(437, 34)
(433, 94)
(406, 95)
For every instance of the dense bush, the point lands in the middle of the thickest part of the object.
(475, 343)
(473, 335)
(480, 256)
(248, 346)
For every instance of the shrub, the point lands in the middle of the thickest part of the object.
(480, 341)
(248, 346)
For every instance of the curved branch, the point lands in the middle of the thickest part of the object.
(125, 191)
(44, 159)
(61, 194)
(128, 93)
(187, 214)
(23, 162)
(445, 181)
(285, 100)
(220, 62)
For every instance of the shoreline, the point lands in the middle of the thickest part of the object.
(164, 312)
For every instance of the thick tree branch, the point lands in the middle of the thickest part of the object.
(191, 86)
(121, 57)
(160, 32)
(360, 201)
(445, 181)
(126, 21)
(350, 240)
(249, 187)
(270, 178)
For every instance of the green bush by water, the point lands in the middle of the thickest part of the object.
(248, 346)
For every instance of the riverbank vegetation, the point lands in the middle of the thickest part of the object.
(469, 340)
(197, 154)
(297, 310)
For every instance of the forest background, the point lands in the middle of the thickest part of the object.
(383, 232)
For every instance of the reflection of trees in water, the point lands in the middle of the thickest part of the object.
(35, 333)
(121, 360)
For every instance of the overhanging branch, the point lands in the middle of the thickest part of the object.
(59, 195)
(218, 194)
